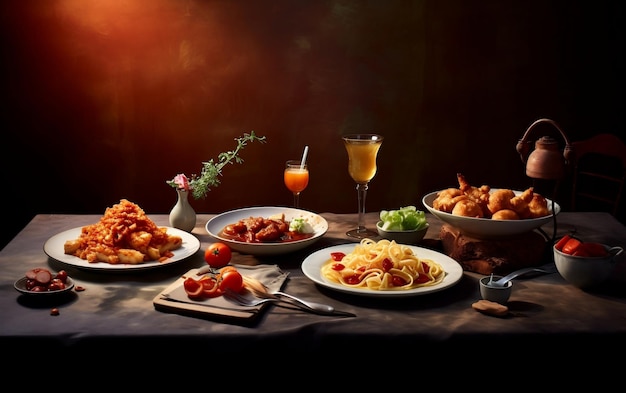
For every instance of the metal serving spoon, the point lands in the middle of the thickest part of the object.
(502, 281)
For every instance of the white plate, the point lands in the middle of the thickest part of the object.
(54, 249)
(20, 285)
(215, 225)
(312, 265)
(486, 228)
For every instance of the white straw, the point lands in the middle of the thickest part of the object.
(306, 151)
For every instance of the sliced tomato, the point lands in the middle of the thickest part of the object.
(398, 281)
(337, 256)
(338, 266)
(387, 265)
(561, 243)
(193, 288)
(571, 246)
(210, 288)
(226, 269)
(422, 278)
(353, 279)
(594, 249)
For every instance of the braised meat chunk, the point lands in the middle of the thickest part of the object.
(262, 230)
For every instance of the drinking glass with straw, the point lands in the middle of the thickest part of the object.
(296, 176)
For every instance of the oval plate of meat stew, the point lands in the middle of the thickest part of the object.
(216, 225)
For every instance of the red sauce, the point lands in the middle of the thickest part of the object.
(285, 238)
(259, 230)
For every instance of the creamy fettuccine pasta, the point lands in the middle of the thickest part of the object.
(382, 266)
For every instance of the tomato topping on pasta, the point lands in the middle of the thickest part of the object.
(382, 266)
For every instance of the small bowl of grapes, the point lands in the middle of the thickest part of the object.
(406, 225)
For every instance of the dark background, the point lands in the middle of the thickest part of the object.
(103, 100)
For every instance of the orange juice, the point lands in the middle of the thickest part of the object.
(362, 158)
(296, 179)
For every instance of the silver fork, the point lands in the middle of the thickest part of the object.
(260, 290)
(318, 308)
(245, 301)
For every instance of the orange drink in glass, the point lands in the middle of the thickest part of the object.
(362, 161)
(296, 177)
(362, 152)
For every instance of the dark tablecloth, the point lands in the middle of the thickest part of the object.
(116, 310)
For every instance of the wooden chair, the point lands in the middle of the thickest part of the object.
(599, 174)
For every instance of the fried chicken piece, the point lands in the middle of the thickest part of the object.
(447, 198)
(500, 200)
(480, 195)
(468, 208)
(520, 203)
(505, 214)
(538, 206)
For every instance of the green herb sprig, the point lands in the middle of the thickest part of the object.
(211, 170)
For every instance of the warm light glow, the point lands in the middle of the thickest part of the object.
(179, 52)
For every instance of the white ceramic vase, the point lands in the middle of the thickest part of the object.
(182, 215)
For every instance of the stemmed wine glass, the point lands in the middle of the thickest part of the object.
(296, 178)
(362, 151)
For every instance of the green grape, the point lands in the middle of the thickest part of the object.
(406, 218)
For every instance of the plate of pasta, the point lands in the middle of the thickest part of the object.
(382, 268)
(55, 249)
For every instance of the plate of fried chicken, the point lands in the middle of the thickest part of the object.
(485, 212)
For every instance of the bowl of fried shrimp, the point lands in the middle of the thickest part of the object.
(485, 213)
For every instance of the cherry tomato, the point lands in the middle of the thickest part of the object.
(217, 255)
(337, 256)
(192, 287)
(353, 279)
(338, 266)
(232, 279)
(387, 265)
(571, 246)
(422, 278)
(398, 281)
(559, 245)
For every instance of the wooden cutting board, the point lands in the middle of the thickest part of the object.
(174, 299)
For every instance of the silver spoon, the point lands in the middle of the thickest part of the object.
(502, 281)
